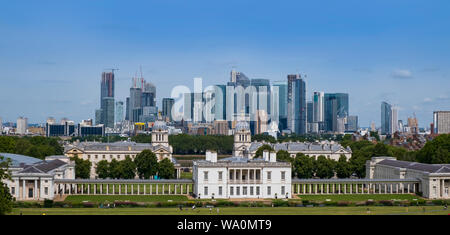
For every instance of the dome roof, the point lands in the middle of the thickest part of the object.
(242, 126)
(160, 125)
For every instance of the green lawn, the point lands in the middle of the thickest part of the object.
(132, 198)
(359, 197)
(392, 210)
(186, 175)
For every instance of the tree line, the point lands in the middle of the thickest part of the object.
(145, 165)
(36, 146)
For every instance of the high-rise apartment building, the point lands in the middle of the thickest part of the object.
(441, 122)
(106, 113)
(386, 118)
(22, 126)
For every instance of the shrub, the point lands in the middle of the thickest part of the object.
(343, 203)
(386, 203)
(280, 203)
(370, 203)
(48, 203)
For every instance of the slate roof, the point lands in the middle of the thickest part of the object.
(17, 159)
(116, 146)
(299, 146)
(430, 168)
(43, 166)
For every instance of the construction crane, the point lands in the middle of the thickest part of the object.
(112, 70)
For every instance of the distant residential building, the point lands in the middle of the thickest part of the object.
(221, 127)
(64, 128)
(441, 122)
(87, 130)
(22, 126)
(413, 125)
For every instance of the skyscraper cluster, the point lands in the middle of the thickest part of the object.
(141, 105)
(283, 102)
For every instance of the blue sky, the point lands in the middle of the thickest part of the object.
(52, 53)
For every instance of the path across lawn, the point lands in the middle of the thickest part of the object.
(131, 198)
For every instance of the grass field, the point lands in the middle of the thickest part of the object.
(429, 210)
(359, 197)
(131, 198)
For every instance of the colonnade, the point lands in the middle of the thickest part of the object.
(348, 187)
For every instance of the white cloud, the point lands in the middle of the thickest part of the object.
(401, 73)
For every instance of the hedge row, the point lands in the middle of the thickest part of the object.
(274, 203)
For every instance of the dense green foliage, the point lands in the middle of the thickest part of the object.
(6, 199)
(36, 146)
(98, 138)
(102, 169)
(284, 156)
(146, 164)
(198, 144)
(166, 169)
(260, 150)
(82, 167)
(436, 151)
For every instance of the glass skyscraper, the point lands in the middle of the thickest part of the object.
(296, 104)
(386, 118)
(336, 106)
(107, 99)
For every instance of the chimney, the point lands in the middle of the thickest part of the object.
(266, 155)
(273, 157)
(213, 156)
(208, 155)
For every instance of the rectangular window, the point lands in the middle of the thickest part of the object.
(238, 191)
(220, 175)
(283, 175)
(244, 191)
(13, 190)
(206, 191)
(231, 175)
(220, 190)
(269, 175)
(46, 190)
(269, 190)
(282, 190)
(231, 191)
(251, 190)
(257, 190)
(205, 174)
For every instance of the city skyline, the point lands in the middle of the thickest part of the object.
(372, 52)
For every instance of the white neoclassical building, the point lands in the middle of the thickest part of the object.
(33, 179)
(95, 151)
(434, 179)
(241, 177)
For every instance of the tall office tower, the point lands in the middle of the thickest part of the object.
(386, 118)
(335, 106)
(127, 109)
(413, 125)
(98, 116)
(239, 79)
(394, 120)
(188, 106)
(119, 111)
(220, 102)
(135, 109)
(296, 104)
(441, 122)
(107, 99)
(261, 100)
(22, 126)
(167, 104)
(282, 103)
(400, 126)
(318, 103)
(148, 103)
(1, 125)
(309, 116)
(352, 123)
(197, 107)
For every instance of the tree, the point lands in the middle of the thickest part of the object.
(128, 168)
(166, 169)
(6, 199)
(82, 168)
(115, 170)
(102, 169)
(284, 156)
(343, 168)
(260, 150)
(358, 163)
(380, 149)
(146, 164)
(324, 167)
(303, 166)
(436, 151)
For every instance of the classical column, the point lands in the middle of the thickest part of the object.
(89, 189)
(328, 188)
(163, 189)
(315, 188)
(126, 189)
(181, 188)
(187, 192)
(339, 188)
(82, 188)
(120, 189)
(304, 188)
(345, 188)
(35, 189)
(334, 188)
(24, 190)
(321, 188)
(351, 188)
(408, 189)
(95, 189)
(396, 187)
(310, 187)
(151, 190)
(298, 188)
(70, 189)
